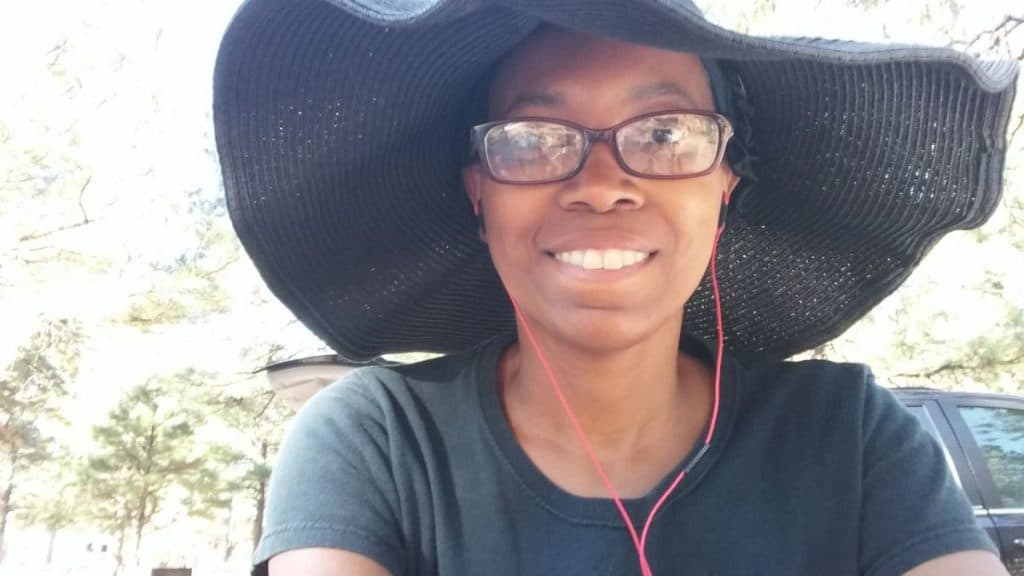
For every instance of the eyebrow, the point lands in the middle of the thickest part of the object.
(549, 99)
(642, 92)
(659, 89)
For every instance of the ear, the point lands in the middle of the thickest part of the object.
(731, 181)
(472, 180)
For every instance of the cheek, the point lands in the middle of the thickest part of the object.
(511, 223)
(695, 227)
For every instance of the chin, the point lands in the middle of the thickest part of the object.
(600, 332)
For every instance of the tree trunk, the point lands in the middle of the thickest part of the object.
(142, 510)
(49, 546)
(228, 546)
(5, 503)
(123, 524)
(5, 509)
(140, 522)
(257, 523)
(122, 529)
(261, 500)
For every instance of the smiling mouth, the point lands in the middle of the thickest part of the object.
(602, 259)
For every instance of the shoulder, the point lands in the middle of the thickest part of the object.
(361, 454)
(808, 383)
(841, 402)
(817, 373)
(379, 396)
(379, 382)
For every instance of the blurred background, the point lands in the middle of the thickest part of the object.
(136, 431)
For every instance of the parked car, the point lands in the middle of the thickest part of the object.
(981, 434)
(983, 437)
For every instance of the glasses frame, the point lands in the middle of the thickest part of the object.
(591, 135)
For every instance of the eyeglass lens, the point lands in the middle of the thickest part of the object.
(668, 145)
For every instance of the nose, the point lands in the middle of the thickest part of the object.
(602, 185)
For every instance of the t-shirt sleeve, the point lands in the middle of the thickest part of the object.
(332, 484)
(913, 510)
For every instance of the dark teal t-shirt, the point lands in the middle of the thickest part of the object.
(814, 470)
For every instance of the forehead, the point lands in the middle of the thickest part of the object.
(555, 69)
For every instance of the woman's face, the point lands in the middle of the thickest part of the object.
(535, 232)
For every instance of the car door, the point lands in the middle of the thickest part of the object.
(991, 431)
(926, 407)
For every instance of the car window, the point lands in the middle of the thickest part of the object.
(999, 433)
(929, 425)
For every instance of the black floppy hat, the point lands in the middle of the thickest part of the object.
(341, 128)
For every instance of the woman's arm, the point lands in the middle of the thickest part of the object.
(973, 562)
(332, 489)
(915, 519)
(333, 562)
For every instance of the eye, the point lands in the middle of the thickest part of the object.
(532, 150)
(523, 140)
(663, 135)
(533, 135)
(676, 144)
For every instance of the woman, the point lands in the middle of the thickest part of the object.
(590, 428)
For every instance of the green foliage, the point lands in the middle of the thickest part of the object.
(176, 298)
(53, 499)
(46, 179)
(256, 419)
(30, 389)
(146, 446)
(1015, 220)
(41, 368)
(212, 491)
(186, 287)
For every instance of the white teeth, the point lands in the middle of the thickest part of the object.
(613, 260)
(601, 259)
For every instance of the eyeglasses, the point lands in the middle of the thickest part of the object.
(671, 144)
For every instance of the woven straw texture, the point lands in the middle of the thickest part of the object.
(341, 131)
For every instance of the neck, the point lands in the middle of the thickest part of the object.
(629, 402)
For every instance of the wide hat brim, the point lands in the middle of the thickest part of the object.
(341, 129)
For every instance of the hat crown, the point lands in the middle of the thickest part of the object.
(560, 12)
(407, 12)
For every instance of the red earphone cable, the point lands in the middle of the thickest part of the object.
(640, 542)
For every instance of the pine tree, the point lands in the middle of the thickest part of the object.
(53, 499)
(146, 446)
(31, 388)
